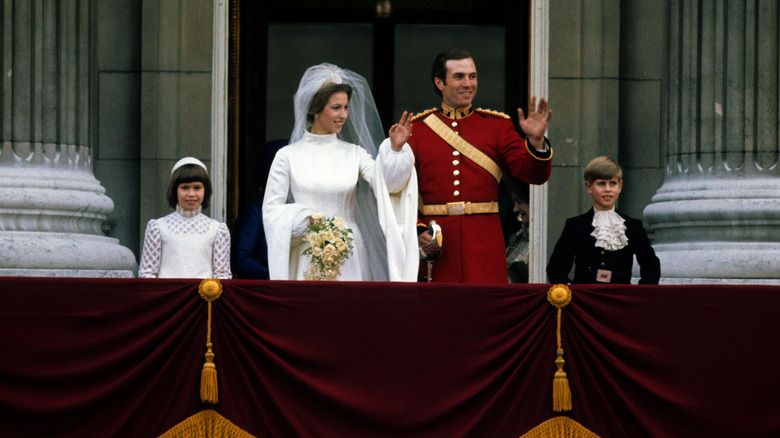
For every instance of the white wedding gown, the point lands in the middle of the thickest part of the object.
(319, 174)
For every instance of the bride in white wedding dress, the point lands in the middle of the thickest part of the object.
(332, 166)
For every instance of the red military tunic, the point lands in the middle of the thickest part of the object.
(473, 245)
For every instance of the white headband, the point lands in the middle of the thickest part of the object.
(188, 160)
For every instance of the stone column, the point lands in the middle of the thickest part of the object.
(717, 216)
(52, 208)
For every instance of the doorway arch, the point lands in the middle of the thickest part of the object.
(231, 163)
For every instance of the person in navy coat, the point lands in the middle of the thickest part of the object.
(602, 243)
(249, 252)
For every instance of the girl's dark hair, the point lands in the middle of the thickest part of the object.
(187, 174)
(322, 96)
(439, 68)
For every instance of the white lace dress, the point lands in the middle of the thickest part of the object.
(319, 174)
(186, 244)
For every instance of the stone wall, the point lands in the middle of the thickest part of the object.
(584, 96)
(153, 98)
(116, 128)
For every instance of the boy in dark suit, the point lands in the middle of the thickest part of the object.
(602, 243)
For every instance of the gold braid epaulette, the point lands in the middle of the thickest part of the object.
(490, 112)
(423, 114)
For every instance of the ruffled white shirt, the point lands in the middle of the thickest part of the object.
(609, 229)
(186, 244)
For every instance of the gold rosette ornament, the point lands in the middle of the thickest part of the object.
(210, 289)
(559, 296)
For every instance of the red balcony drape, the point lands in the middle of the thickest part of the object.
(122, 358)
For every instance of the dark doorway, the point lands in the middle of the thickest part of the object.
(390, 42)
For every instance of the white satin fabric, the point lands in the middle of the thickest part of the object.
(320, 174)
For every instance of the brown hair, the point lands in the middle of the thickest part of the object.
(322, 96)
(603, 168)
(186, 174)
(439, 68)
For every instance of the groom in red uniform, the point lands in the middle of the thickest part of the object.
(460, 152)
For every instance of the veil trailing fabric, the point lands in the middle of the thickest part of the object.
(363, 128)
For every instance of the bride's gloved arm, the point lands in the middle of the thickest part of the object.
(301, 224)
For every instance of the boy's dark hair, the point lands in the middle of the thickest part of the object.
(603, 168)
(322, 96)
(187, 174)
(439, 68)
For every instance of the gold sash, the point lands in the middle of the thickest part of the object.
(462, 146)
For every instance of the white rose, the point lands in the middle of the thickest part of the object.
(329, 251)
(338, 222)
(318, 216)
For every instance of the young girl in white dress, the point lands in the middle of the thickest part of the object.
(330, 168)
(186, 243)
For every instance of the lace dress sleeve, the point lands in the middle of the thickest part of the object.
(222, 253)
(152, 251)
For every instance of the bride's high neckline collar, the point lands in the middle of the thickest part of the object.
(319, 137)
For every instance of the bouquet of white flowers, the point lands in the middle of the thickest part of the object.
(329, 245)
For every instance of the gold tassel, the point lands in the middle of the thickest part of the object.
(557, 427)
(210, 289)
(209, 392)
(559, 296)
(206, 424)
(561, 391)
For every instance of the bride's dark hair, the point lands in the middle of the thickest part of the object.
(321, 97)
